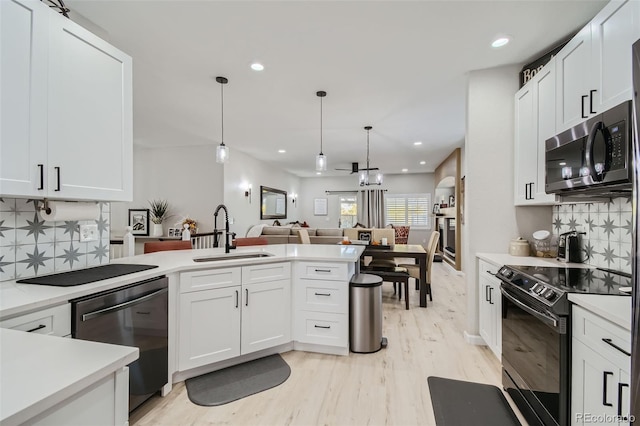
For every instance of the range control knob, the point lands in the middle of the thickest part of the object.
(539, 289)
(549, 295)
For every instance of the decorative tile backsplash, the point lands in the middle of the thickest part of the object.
(29, 246)
(609, 228)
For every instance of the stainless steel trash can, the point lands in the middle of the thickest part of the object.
(365, 313)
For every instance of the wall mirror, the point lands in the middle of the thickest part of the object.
(273, 203)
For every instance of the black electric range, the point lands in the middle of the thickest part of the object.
(552, 285)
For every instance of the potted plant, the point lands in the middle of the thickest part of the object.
(159, 212)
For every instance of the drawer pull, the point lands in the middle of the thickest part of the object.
(322, 326)
(40, 327)
(604, 388)
(620, 386)
(323, 294)
(143, 313)
(323, 270)
(610, 343)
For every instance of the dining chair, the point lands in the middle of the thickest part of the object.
(250, 241)
(414, 269)
(154, 246)
(303, 236)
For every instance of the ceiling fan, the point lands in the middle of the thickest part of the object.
(356, 169)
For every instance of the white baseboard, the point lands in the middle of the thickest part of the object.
(452, 269)
(474, 339)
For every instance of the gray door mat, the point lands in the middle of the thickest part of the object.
(233, 383)
(456, 402)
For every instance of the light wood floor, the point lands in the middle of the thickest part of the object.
(385, 388)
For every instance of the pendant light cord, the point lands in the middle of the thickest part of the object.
(222, 113)
(321, 126)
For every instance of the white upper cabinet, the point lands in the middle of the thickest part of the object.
(534, 123)
(613, 31)
(90, 115)
(594, 68)
(71, 135)
(23, 78)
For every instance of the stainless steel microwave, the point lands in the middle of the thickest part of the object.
(592, 158)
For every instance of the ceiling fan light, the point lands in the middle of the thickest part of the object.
(321, 162)
(222, 153)
(363, 177)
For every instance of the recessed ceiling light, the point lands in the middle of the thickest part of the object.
(423, 162)
(256, 66)
(405, 170)
(500, 41)
(282, 151)
(417, 143)
(318, 173)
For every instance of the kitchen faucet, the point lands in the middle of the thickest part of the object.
(227, 246)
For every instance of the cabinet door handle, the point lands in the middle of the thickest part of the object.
(604, 388)
(58, 178)
(610, 343)
(322, 326)
(490, 296)
(486, 293)
(237, 298)
(41, 167)
(246, 298)
(40, 327)
(591, 92)
(620, 386)
(583, 98)
(323, 294)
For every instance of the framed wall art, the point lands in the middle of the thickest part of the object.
(139, 221)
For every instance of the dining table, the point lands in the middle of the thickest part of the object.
(412, 251)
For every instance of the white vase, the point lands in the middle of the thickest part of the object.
(156, 230)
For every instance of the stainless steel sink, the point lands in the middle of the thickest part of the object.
(231, 257)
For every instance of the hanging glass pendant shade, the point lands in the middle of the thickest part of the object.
(222, 152)
(363, 176)
(321, 159)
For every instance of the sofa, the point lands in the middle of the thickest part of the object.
(289, 235)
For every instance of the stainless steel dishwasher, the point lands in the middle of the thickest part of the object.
(133, 315)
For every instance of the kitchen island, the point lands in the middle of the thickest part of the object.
(290, 297)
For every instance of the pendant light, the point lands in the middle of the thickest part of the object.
(222, 152)
(363, 176)
(321, 159)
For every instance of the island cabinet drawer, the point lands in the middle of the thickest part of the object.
(266, 272)
(323, 271)
(209, 279)
(322, 296)
(322, 328)
(606, 338)
(55, 321)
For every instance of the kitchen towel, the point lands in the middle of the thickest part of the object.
(58, 211)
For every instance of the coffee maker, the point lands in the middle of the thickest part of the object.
(570, 247)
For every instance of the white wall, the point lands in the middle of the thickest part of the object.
(491, 220)
(242, 170)
(187, 177)
(315, 187)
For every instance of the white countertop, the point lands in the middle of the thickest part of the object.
(500, 259)
(16, 298)
(616, 309)
(34, 380)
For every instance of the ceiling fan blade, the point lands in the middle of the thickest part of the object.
(371, 168)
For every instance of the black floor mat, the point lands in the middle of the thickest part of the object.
(232, 383)
(457, 402)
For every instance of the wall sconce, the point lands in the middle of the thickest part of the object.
(294, 198)
(247, 193)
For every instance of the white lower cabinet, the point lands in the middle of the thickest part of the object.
(600, 369)
(321, 314)
(490, 306)
(229, 312)
(55, 321)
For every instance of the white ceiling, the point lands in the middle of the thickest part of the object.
(398, 66)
